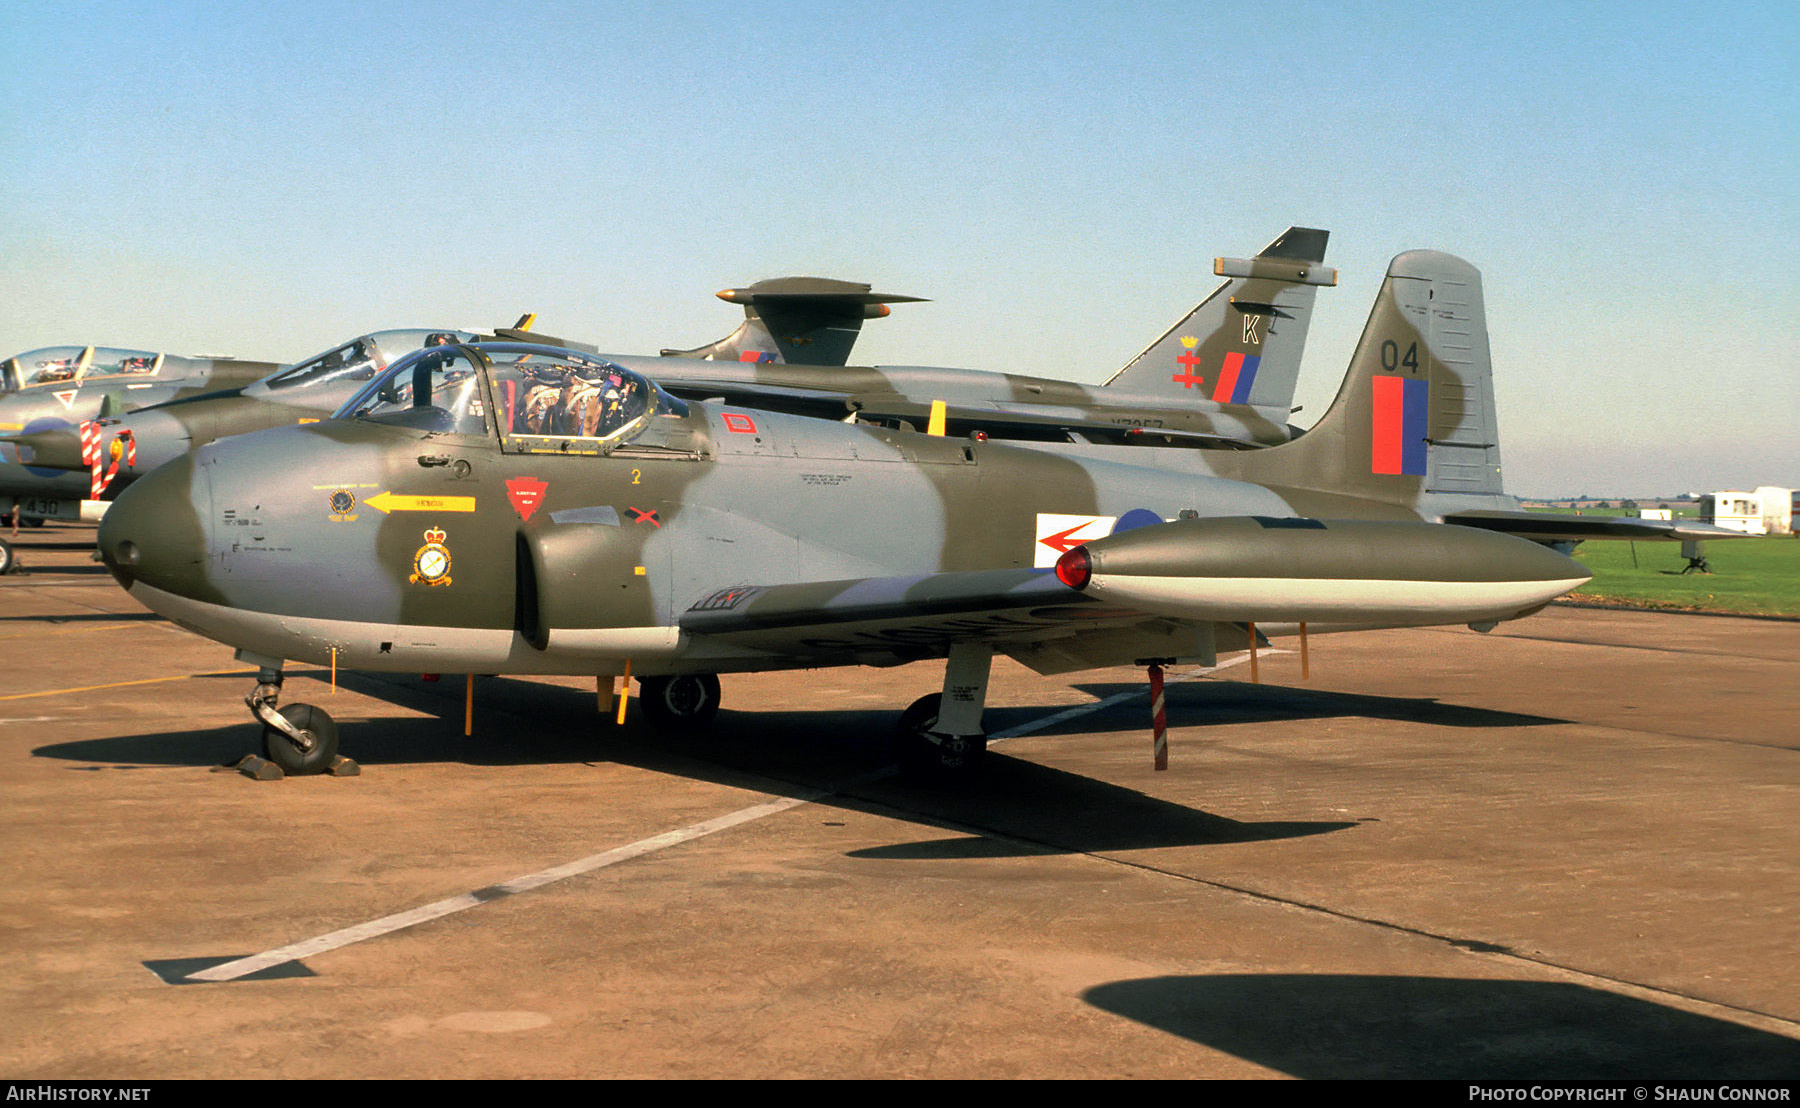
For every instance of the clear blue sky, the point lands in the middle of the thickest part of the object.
(268, 179)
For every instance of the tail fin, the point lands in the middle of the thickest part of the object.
(1415, 414)
(1242, 344)
(796, 320)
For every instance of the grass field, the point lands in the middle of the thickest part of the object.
(1759, 575)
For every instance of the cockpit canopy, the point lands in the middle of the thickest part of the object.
(535, 398)
(66, 366)
(345, 369)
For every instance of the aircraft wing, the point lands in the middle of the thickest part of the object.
(899, 614)
(824, 403)
(1225, 570)
(1001, 421)
(1551, 527)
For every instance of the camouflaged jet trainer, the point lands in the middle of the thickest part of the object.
(59, 388)
(1224, 375)
(507, 508)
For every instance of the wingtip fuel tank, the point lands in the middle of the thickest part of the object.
(1257, 569)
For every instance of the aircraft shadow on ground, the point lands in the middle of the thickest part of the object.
(1323, 1026)
(1203, 703)
(27, 569)
(25, 545)
(1011, 808)
(88, 617)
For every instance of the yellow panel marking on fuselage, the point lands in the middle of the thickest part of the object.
(394, 502)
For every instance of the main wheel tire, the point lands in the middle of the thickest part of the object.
(6, 557)
(685, 702)
(926, 753)
(278, 748)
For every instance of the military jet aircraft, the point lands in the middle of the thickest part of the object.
(59, 388)
(516, 509)
(1223, 375)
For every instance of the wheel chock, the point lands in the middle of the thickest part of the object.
(344, 767)
(258, 768)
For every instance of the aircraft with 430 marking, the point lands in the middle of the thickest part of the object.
(56, 389)
(506, 508)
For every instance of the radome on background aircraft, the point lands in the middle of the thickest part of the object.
(1237, 357)
(519, 509)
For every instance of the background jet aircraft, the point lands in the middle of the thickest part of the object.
(61, 387)
(61, 484)
(516, 509)
(1223, 375)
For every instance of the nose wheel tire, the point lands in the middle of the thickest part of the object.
(925, 752)
(318, 726)
(6, 557)
(686, 702)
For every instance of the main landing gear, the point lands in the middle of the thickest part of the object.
(941, 735)
(686, 702)
(299, 739)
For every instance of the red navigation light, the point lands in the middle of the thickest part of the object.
(1074, 568)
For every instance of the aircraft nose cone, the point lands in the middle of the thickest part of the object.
(155, 533)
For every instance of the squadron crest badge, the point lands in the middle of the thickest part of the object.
(431, 565)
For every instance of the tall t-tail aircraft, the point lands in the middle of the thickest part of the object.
(516, 509)
(1223, 375)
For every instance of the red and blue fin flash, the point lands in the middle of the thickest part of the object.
(1235, 378)
(1401, 410)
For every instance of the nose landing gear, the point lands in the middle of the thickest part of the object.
(298, 740)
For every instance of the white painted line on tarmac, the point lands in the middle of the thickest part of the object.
(387, 925)
(243, 967)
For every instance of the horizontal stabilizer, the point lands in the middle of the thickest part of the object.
(1276, 269)
(797, 321)
(816, 291)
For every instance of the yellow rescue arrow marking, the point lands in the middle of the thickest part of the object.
(392, 502)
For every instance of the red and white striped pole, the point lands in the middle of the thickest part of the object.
(90, 454)
(1159, 719)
